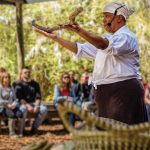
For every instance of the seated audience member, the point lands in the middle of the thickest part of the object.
(72, 74)
(147, 100)
(28, 92)
(64, 92)
(2, 70)
(9, 105)
(82, 90)
(90, 105)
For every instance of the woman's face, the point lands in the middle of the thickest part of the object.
(110, 18)
(65, 78)
(6, 79)
(1, 73)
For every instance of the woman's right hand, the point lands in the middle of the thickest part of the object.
(11, 106)
(49, 35)
(69, 99)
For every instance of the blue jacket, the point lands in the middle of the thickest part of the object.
(58, 97)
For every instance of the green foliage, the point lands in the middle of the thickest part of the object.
(8, 39)
(47, 58)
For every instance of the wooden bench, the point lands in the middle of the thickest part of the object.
(52, 112)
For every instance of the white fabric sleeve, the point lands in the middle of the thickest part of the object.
(120, 44)
(86, 50)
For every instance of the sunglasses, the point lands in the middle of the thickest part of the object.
(27, 72)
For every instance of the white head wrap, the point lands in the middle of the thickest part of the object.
(125, 11)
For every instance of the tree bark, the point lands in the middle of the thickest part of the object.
(20, 40)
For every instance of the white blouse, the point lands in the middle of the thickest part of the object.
(118, 62)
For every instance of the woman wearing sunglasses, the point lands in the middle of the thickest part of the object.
(64, 92)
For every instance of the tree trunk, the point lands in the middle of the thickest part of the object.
(20, 42)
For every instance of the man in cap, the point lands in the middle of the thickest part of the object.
(117, 90)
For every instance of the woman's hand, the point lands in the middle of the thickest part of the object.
(72, 27)
(11, 106)
(69, 99)
(50, 35)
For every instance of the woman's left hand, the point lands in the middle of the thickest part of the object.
(72, 27)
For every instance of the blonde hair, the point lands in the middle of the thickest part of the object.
(2, 78)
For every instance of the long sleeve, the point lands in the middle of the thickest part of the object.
(18, 91)
(8, 96)
(86, 50)
(76, 92)
(121, 44)
(57, 95)
(4, 96)
(15, 101)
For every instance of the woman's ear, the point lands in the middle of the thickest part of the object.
(121, 18)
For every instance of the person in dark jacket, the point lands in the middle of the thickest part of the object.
(29, 95)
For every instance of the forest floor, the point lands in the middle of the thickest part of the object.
(53, 132)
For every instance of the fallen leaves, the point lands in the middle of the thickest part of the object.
(52, 133)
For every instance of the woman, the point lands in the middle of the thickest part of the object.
(117, 90)
(63, 92)
(9, 104)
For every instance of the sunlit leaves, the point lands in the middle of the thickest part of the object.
(48, 59)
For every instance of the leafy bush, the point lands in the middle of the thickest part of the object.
(47, 58)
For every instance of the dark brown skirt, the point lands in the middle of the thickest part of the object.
(122, 101)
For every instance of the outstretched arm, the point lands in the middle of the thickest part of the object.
(65, 43)
(96, 40)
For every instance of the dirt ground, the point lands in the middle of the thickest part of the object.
(53, 132)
